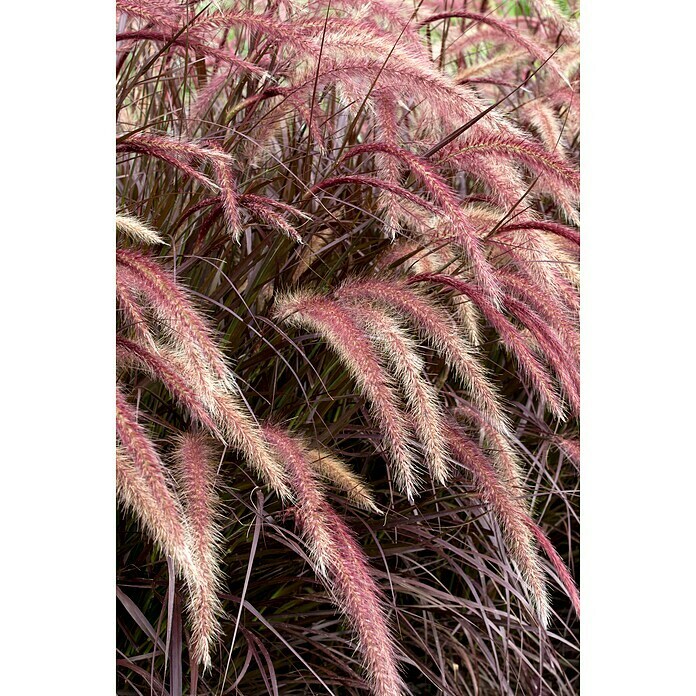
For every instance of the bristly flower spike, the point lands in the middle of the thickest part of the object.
(439, 330)
(196, 476)
(511, 338)
(399, 351)
(197, 365)
(341, 476)
(146, 490)
(343, 564)
(510, 513)
(340, 330)
(137, 230)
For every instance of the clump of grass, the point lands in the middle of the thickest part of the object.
(347, 295)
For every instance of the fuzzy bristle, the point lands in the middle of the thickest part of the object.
(440, 331)
(145, 489)
(352, 344)
(399, 351)
(342, 562)
(195, 366)
(341, 476)
(196, 476)
(511, 337)
(137, 230)
(509, 512)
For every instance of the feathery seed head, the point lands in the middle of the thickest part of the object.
(196, 474)
(509, 512)
(511, 337)
(438, 328)
(399, 351)
(137, 230)
(344, 334)
(145, 489)
(338, 473)
(342, 563)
